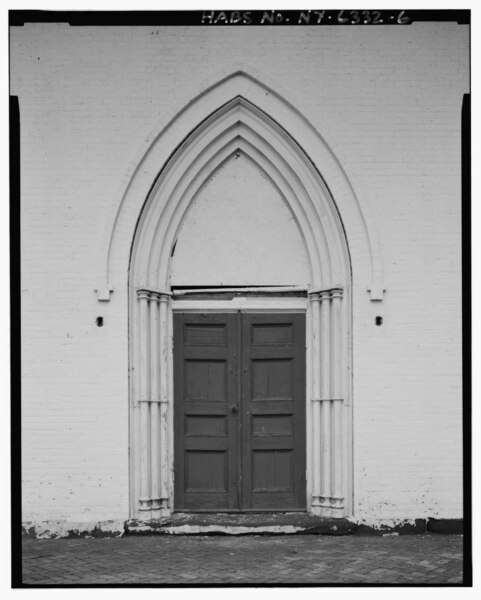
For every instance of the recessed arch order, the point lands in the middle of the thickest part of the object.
(239, 114)
(239, 126)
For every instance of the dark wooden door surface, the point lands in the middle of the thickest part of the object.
(239, 411)
(273, 411)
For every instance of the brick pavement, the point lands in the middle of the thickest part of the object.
(194, 560)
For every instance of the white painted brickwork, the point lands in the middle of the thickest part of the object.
(387, 100)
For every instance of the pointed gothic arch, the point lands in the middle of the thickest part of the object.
(172, 131)
(240, 125)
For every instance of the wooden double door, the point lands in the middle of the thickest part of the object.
(239, 412)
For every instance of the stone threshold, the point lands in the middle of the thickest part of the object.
(242, 524)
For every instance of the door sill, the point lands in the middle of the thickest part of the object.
(245, 511)
(270, 523)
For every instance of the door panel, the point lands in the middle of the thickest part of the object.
(239, 411)
(205, 428)
(273, 411)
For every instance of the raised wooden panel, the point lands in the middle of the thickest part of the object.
(272, 425)
(202, 425)
(201, 334)
(272, 334)
(205, 380)
(205, 471)
(272, 378)
(272, 471)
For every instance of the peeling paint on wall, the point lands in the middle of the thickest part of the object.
(303, 525)
(70, 529)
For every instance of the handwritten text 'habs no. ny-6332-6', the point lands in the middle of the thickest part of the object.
(305, 17)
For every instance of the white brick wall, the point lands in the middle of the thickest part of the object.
(388, 102)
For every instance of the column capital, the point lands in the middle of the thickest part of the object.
(143, 294)
(336, 293)
(324, 293)
(153, 294)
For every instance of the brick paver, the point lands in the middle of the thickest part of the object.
(217, 560)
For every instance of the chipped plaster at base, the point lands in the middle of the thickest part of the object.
(116, 528)
(383, 522)
(61, 529)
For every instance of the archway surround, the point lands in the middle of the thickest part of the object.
(162, 192)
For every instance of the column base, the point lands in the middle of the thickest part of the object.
(145, 504)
